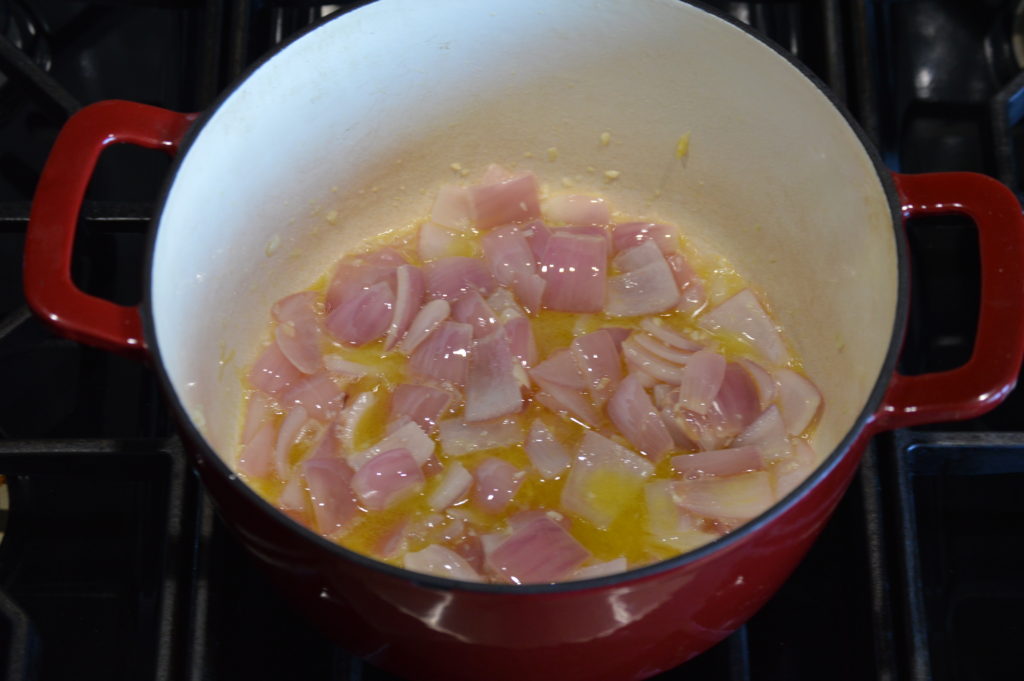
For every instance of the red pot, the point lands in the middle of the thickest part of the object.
(777, 179)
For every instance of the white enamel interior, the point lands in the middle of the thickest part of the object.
(365, 115)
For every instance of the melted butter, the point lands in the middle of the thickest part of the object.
(626, 536)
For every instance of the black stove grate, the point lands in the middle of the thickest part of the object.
(114, 564)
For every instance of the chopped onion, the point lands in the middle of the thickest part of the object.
(298, 331)
(768, 433)
(546, 454)
(273, 373)
(597, 359)
(575, 269)
(701, 381)
(646, 285)
(363, 317)
(330, 489)
(386, 479)
(521, 341)
(452, 488)
(514, 199)
(318, 395)
(632, 412)
(452, 207)
(497, 482)
(799, 400)
(408, 297)
(352, 416)
(423, 324)
(673, 339)
(492, 389)
(458, 438)
(643, 360)
(257, 457)
(763, 382)
(444, 355)
(574, 209)
(743, 315)
(733, 498)
(472, 309)
(440, 562)
(540, 551)
(455, 276)
(409, 438)
(628, 234)
(718, 462)
(420, 404)
(604, 480)
(595, 570)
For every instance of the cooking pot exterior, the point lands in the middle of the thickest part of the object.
(627, 626)
(617, 630)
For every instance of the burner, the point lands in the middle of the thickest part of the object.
(24, 29)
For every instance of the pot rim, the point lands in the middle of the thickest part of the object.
(824, 469)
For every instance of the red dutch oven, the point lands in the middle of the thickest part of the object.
(346, 132)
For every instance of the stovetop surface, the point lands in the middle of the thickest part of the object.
(114, 565)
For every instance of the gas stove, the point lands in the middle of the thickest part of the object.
(113, 564)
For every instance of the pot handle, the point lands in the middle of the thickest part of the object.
(991, 372)
(53, 220)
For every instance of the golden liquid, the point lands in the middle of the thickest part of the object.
(626, 536)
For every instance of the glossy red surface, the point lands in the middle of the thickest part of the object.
(626, 627)
(991, 372)
(54, 217)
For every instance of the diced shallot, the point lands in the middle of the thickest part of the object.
(436, 241)
(458, 438)
(575, 268)
(546, 454)
(701, 381)
(298, 331)
(296, 427)
(492, 389)
(513, 199)
(452, 488)
(632, 412)
(628, 234)
(794, 469)
(259, 410)
(497, 482)
(293, 500)
(318, 395)
(604, 480)
(539, 551)
(799, 400)
(693, 296)
(257, 457)
(646, 287)
(718, 462)
(561, 369)
(576, 209)
(768, 433)
(358, 273)
(597, 359)
(440, 562)
(339, 365)
(273, 373)
(509, 254)
(655, 347)
(421, 404)
(595, 570)
(763, 382)
(643, 360)
(352, 416)
(453, 277)
(743, 315)
(364, 317)
(387, 478)
(408, 297)
(472, 309)
(423, 324)
(409, 438)
(673, 339)
(568, 402)
(452, 207)
(444, 355)
(733, 498)
(521, 341)
(330, 489)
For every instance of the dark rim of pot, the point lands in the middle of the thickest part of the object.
(824, 469)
